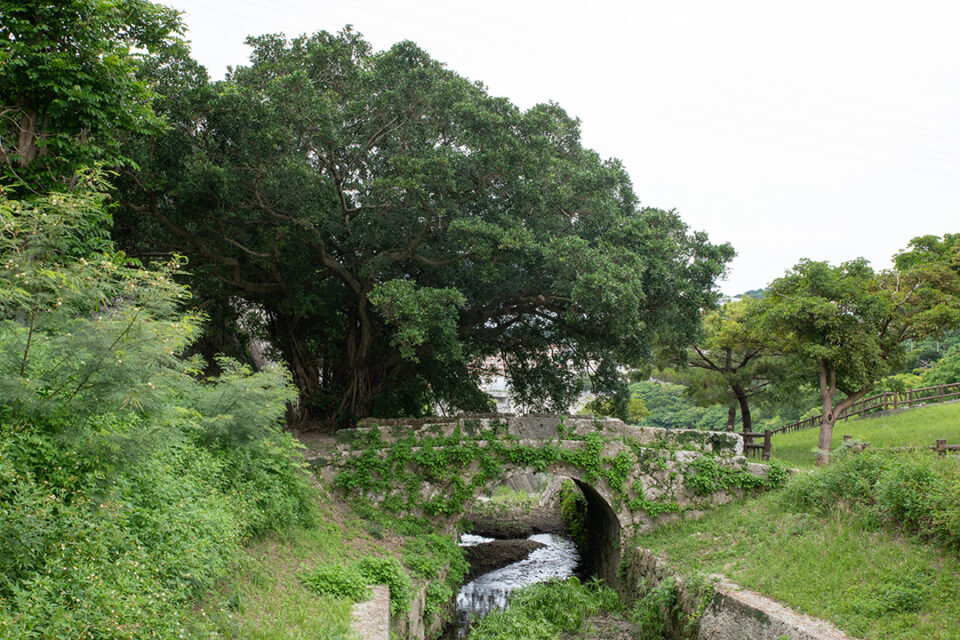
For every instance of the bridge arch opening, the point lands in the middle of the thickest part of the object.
(600, 552)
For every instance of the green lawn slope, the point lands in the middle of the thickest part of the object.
(913, 427)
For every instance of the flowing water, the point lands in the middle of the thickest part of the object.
(489, 592)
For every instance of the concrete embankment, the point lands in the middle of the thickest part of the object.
(731, 613)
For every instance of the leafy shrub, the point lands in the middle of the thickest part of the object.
(917, 491)
(428, 555)
(127, 483)
(338, 581)
(390, 572)
(849, 478)
(649, 610)
(547, 610)
(350, 581)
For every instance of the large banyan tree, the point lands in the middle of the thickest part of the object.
(396, 227)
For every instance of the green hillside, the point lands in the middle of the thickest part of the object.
(914, 427)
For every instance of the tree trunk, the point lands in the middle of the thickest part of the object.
(27, 149)
(828, 390)
(308, 411)
(828, 387)
(825, 441)
(741, 396)
(366, 372)
(731, 416)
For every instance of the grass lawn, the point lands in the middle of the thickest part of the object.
(871, 583)
(913, 427)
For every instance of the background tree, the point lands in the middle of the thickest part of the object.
(68, 87)
(396, 225)
(730, 364)
(669, 406)
(846, 325)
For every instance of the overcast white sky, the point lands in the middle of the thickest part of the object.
(819, 129)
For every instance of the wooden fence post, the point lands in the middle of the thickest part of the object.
(895, 398)
(941, 447)
(941, 394)
(766, 443)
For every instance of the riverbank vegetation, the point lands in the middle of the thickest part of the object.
(128, 482)
(868, 543)
(559, 609)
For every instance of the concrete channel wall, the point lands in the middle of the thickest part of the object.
(733, 613)
(370, 620)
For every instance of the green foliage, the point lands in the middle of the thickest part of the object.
(437, 599)
(636, 409)
(420, 316)
(430, 556)
(390, 572)
(547, 611)
(68, 85)
(338, 581)
(918, 492)
(872, 582)
(731, 363)
(649, 611)
(845, 326)
(128, 483)
(706, 476)
(573, 508)
(945, 370)
(652, 507)
(907, 595)
(670, 407)
(396, 224)
(350, 581)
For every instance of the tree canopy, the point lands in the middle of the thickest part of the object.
(394, 225)
(846, 325)
(731, 363)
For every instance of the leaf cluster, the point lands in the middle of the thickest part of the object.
(68, 84)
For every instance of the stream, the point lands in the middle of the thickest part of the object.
(490, 591)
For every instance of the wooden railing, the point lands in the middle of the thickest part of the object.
(940, 446)
(757, 449)
(887, 401)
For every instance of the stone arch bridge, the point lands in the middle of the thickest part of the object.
(634, 478)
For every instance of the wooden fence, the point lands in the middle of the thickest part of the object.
(887, 401)
(759, 450)
(940, 447)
